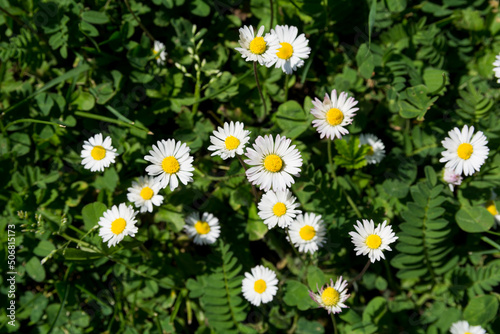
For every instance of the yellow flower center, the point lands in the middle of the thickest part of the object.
(307, 232)
(260, 286)
(273, 163)
(170, 165)
(98, 153)
(490, 206)
(232, 142)
(467, 333)
(370, 151)
(334, 116)
(373, 241)
(330, 297)
(285, 52)
(464, 151)
(147, 193)
(118, 225)
(156, 53)
(202, 227)
(258, 45)
(279, 209)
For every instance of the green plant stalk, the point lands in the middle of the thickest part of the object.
(285, 88)
(334, 323)
(112, 120)
(258, 87)
(361, 273)
(491, 242)
(272, 14)
(197, 92)
(254, 190)
(63, 301)
(138, 21)
(30, 120)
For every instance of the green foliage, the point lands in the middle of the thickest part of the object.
(351, 153)
(424, 246)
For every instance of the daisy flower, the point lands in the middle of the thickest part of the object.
(496, 69)
(333, 114)
(171, 162)
(260, 286)
(332, 297)
(229, 141)
(144, 194)
(463, 153)
(257, 48)
(307, 232)
(451, 178)
(97, 153)
(116, 223)
(278, 208)
(274, 163)
(160, 53)
(372, 241)
(293, 49)
(377, 148)
(463, 327)
(204, 230)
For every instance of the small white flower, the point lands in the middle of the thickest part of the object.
(464, 154)
(229, 141)
(204, 230)
(451, 178)
(116, 223)
(463, 327)
(332, 297)
(257, 48)
(307, 232)
(293, 49)
(144, 194)
(332, 115)
(97, 153)
(377, 148)
(260, 286)
(372, 241)
(274, 163)
(171, 162)
(278, 208)
(496, 69)
(160, 53)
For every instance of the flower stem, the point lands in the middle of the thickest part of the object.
(258, 86)
(272, 13)
(138, 21)
(254, 190)
(361, 273)
(285, 88)
(334, 323)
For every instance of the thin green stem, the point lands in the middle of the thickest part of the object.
(216, 178)
(63, 302)
(490, 242)
(254, 190)
(30, 120)
(197, 92)
(112, 120)
(334, 323)
(138, 21)
(285, 88)
(353, 205)
(330, 160)
(295, 249)
(272, 14)
(258, 86)
(361, 273)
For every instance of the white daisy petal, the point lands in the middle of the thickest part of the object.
(291, 50)
(117, 223)
(259, 286)
(98, 154)
(160, 53)
(257, 47)
(307, 232)
(333, 115)
(272, 167)
(464, 154)
(463, 327)
(278, 208)
(372, 241)
(204, 230)
(229, 141)
(144, 194)
(332, 297)
(170, 159)
(377, 148)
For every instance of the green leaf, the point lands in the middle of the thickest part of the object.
(305, 326)
(44, 248)
(201, 8)
(375, 310)
(73, 254)
(92, 213)
(297, 294)
(95, 17)
(364, 60)
(350, 154)
(481, 310)
(292, 119)
(256, 228)
(84, 101)
(315, 278)
(35, 270)
(474, 219)
(414, 102)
